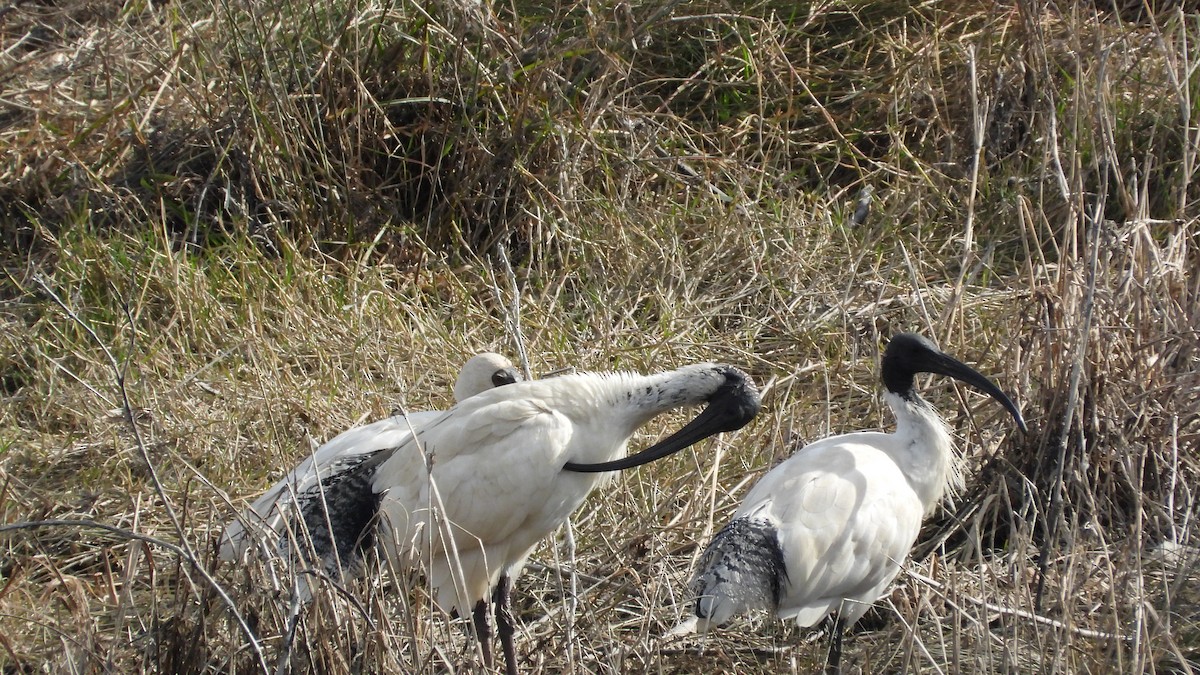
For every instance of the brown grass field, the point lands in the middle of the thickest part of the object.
(231, 229)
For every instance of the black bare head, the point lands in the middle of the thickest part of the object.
(731, 406)
(908, 354)
(505, 376)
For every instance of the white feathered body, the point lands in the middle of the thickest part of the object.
(479, 488)
(271, 521)
(832, 523)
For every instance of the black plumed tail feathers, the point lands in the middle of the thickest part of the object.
(742, 569)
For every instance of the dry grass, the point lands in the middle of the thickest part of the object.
(278, 225)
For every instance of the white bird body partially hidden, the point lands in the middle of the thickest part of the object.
(268, 515)
(827, 530)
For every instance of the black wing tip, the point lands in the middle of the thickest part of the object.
(750, 549)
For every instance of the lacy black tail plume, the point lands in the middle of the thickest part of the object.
(742, 569)
(337, 514)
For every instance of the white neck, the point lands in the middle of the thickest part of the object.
(635, 399)
(923, 449)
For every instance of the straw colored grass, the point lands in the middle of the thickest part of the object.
(231, 233)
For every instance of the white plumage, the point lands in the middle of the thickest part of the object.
(827, 530)
(268, 515)
(470, 494)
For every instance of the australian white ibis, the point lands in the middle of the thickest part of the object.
(268, 514)
(827, 529)
(472, 492)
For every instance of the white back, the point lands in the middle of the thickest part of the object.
(845, 511)
(267, 514)
(497, 472)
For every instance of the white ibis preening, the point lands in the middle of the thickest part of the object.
(269, 512)
(469, 496)
(827, 529)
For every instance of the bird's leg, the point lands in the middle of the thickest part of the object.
(504, 623)
(833, 663)
(483, 631)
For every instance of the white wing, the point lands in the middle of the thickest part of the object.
(846, 518)
(497, 489)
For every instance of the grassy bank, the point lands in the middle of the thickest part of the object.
(262, 228)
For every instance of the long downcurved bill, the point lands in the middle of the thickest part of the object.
(729, 409)
(945, 364)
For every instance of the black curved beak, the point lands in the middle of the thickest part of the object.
(944, 364)
(730, 408)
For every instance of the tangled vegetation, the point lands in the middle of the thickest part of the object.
(229, 231)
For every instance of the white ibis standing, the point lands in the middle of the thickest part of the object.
(827, 529)
(472, 492)
(269, 512)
